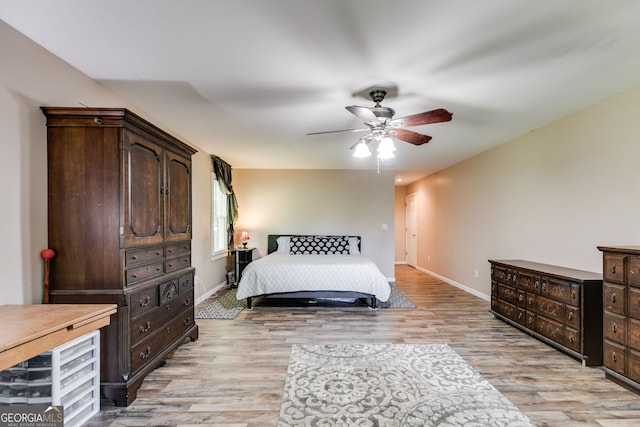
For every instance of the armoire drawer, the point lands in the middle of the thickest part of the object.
(143, 300)
(144, 272)
(150, 347)
(143, 256)
(177, 263)
(175, 249)
(146, 324)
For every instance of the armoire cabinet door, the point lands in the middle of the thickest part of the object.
(143, 192)
(178, 197)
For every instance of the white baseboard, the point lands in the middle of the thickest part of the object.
(203, 298)
(456, 284)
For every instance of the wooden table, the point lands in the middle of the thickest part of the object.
(29, 330)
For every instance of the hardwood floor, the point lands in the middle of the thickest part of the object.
(234, 374)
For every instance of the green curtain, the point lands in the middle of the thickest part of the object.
(222, 171)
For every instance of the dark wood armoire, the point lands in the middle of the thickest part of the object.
(119, 218)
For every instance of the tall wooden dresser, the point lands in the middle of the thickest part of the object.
(119, 205)
(621, 299)
(559, 306)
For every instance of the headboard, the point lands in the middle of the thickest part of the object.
(272, 243)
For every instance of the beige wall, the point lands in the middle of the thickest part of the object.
(29, 78)
(550, 196)
(319, 202)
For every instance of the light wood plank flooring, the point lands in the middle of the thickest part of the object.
(234, 374)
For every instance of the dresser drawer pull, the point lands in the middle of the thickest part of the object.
(170, 265)
(544, 286)
(536, 285)
(613, 298)
(613, 269)
(168, 307)
(614, 328)
(573, 294)
(187, 302)
(134, 275)
(145, 301)
(520, 298)
(571, 338)
(570, 315)
(158, 269)
(520, 316)
(614, 357)
(144, 355)
(187, 321)
(168, 329)
(144, 328)
(134, 257)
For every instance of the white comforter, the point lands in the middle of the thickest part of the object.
(277, 273)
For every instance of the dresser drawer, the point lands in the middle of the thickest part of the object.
(150, 347)
(614, 356)
(633, 271)
(531, 321)
(613, 268)
(143, 300)
(633, 334)
(146, 324)
(531, 301)
(185, 282)
(177, 263)
(550, 329)
(560, 290)
(572, 339)
(633, 365)
(551, 309)
(503, 308)
(521, 316)
(634, 303)
(613, 298)
(528, 282)
(143, 256)
(144, 272)
(507, 293)
(176, 249)
(613, 327)
(572, 318)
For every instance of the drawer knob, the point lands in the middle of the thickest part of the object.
(134, 257)
(613, 298)
(614, 327)
(144, 355)
(144, 328)
(536, 285)
(614, 357)
(571, 315)
(145, 301)
(573, 294)
(571, 338)
(613, 269)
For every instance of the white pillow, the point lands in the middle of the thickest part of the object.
(353, 246)
(283, 245)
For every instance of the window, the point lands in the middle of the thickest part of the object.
(219, 219)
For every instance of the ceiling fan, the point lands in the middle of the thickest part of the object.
(382, 126)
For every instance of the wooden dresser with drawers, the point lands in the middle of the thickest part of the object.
(559, 306)
(119, 221)
(621, 298)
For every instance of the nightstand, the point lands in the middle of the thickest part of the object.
(243, 256)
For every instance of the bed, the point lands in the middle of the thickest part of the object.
(313, 267)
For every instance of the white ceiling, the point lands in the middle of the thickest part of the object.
(247, 79)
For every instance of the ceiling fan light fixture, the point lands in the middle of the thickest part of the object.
(386, 145)
(362, 150)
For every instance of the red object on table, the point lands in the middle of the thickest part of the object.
(46, 254)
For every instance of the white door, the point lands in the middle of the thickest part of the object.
(411, 218)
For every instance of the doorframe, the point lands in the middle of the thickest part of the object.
(413, 197)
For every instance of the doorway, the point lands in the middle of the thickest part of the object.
(411, 238)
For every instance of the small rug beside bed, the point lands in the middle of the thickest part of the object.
(389, 385)
(227, 306)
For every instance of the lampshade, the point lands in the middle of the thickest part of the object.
(244, 235)
(362, 150)
(386, 148)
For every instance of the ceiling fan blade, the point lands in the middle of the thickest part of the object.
(363, 113)
(411, 137)
(337, 131)
(428, 117)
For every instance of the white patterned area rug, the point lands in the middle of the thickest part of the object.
(390, 385)
(224, 307)
(396, 300)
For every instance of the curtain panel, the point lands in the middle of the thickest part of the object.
(222, 171)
